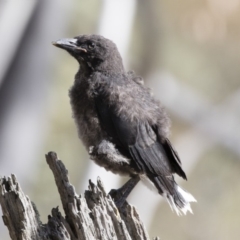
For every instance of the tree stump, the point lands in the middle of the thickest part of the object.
(89, 217)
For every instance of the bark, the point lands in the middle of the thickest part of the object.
(88, 217)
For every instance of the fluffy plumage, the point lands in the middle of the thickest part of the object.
(122, 126)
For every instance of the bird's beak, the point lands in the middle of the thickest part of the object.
(68, 44)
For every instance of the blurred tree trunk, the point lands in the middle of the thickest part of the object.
(92, 216)
(149, 36)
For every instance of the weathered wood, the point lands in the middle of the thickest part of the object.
(18, 212)
(89, 217)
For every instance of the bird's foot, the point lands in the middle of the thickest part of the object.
(120, 195)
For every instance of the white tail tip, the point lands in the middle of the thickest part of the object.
(187, 207)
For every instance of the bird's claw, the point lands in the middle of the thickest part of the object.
(118, 197)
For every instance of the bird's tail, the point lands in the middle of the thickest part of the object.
(178, 199)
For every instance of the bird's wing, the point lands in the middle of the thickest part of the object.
(138, 141)
(175, 160)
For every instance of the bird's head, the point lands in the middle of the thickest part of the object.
(93, 51)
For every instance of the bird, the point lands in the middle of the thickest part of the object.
(121, 124)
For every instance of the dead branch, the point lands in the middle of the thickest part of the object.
(89, 217)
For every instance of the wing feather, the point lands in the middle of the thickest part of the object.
(139, 141)
(175, 160)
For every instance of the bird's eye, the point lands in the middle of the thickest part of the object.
(91, 45)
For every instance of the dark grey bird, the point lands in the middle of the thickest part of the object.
(120, 123)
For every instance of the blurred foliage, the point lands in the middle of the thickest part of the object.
(198, 41)
(215, 184)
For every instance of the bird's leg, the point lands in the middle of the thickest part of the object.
(119, 195)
